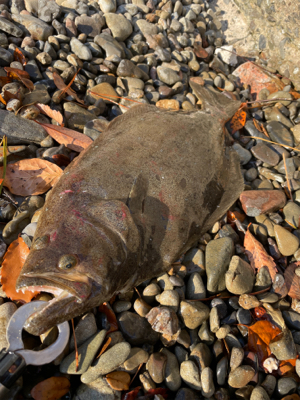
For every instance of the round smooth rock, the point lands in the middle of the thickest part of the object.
(241, 376)
(85, 328)
(259, 393)
(207, 382)
(136, 357)
(286, 386)
(239, 278)
(156, 366)
(189, 373)
(193, 313)
(172, 373)
(287, 243)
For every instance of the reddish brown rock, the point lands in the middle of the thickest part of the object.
(258, 79)
(256, 202)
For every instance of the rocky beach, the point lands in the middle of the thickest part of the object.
(224, 322)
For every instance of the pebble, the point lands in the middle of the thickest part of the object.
(156, 366)
(259, 393)
(239, 278)
(136, 329)
(86, 355)
(172, 373)
(85, 328)
(241, 376)
(284, 348)
(261, 202)
(96, 390)
(190, 375)
(279, 133)
(236, 357)
(286, 386)
(107, 362)
(193, 313)
(195, 289)
(218, 256)
(207, 383)
(287, 242)
(136, 357)
(6, 311)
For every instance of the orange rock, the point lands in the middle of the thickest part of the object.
(256, 202)
(169, 104)
(257, 78)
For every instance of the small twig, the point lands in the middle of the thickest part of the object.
(4, 161)
(76, 349)
(105, 346)
(279, 144)
(137, 371)
(226, 346)
(287, 177)
(138, 292)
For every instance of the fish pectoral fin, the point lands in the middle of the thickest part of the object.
(217, 104)
(138, 193)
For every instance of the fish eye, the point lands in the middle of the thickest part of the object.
(67, 261)
(40, 242)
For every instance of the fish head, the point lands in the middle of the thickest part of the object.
(75, 266)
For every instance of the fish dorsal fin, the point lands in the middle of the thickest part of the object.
(218, 104)
(137, 195)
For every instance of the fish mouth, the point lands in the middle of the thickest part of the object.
(74, 284)
(71, 293)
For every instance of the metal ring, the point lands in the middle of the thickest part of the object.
(14, 336)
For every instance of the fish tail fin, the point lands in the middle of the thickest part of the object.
(218, 104)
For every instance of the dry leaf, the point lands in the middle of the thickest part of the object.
(295, 94)
(56, 115)
(260, 335)
(106, 309)
(118, 380)
(239, 119)
(20, 75)
(292, 281)
(68, 87)
(4, 80)
(51, 389)
(287, 367)
(60, 84)
(19, 56)
(11, 267)
(257, 255)
(31, 176)
(72, 139)
(2, 100)
(132, 394)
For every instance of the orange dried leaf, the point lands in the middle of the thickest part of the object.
(295, 94)
(20, 75)
(239, 119)
(60, 84)
(110, 315)
(72, 139)
(287, 367)
(292, 281)
(31, 176)
(56, 115)
(19, 56)
(118, 380)
(11, 268)
(51, 389)
(132, 394)
(2, 100)
(257, 125)
(257, 255)
(291, 397)
(4, 80)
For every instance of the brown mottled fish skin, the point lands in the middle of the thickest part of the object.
(139, 197)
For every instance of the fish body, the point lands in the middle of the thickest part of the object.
(130, 205)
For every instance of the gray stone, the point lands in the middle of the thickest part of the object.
(20, 130)
(195, 289)
(107, 362)
(81, 51)
(136, 329)
(5, 57)
(168, 75)
(239, 278)
(244, 154)
(120, 27)
(284, 348)
(259, 393)
(146, 27)
(10, 28)
(109, 45)
(190, 375)
(85, 328)
(35, 27)
(193, 313)
(91, 26)
(172, 373)
(279, 133)
(86, 355)
(218, 256)
(108, 6)
(97, 390)
(241, 376)
(48, 10)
